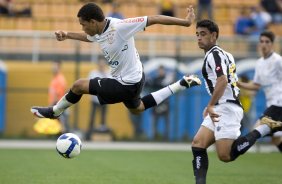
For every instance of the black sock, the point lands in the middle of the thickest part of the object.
(279, 146)
(72, 97)
(148, 101)
(242, 144)
(200, 164)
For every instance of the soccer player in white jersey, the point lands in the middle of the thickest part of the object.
(115, 38)
(268, 76)
(223, 114)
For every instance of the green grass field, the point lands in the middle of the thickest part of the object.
(132, 167)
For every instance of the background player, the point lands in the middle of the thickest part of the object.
(268, 76)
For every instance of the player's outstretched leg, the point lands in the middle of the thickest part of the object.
(55, 111)
(273, 125)
(244, 143)
(159, 96)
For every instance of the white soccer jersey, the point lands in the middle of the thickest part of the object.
(268, 74)
(218, 62)
(118, 46)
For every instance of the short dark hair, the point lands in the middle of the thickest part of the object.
(210, 25)
(91, 11)
(268, 34)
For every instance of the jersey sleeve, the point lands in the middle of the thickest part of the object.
(129, 27)
(217, 64)
(91, 38)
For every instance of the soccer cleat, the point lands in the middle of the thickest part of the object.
(43, 112)
(273, 125)
(190, 81)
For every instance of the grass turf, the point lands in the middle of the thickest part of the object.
(132, 167)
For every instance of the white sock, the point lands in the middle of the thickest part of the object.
(162, 94)
(176, 87)
(263, 130)
(61, 106)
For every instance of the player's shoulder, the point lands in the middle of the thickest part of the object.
(219, 51)
(216, 49)
(276, 56)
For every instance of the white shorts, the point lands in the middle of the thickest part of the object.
(229, 123)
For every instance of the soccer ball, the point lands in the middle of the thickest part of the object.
(68, 145)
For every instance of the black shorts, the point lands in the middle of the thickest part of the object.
(274, 112)
(110, 91)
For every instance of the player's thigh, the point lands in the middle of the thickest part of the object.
(203, 138)
(223, 148)
(110, 91)
(81, 86)
(276, 140)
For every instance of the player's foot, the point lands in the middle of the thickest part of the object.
(273, 125)
(190, 81)
(43, 112)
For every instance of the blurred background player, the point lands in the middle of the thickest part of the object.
(244, 24)
(115, 13)
(102, 72)
(268, 76)
(204, 9)
(274, 8)
(7, 8)
(246, 99)
(167, 7)
(57, 89)
(162, 111)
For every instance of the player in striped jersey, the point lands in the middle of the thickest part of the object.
(223, 114)
(116, 40)
(268, 76)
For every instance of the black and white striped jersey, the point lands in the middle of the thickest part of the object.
(218, 62)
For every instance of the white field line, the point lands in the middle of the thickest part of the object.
(50, 144)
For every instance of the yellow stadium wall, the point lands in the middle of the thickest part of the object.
(23, 78)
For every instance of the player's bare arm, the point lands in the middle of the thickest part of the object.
(248, 85)
(221, 84)
(166, 20)
(63, 35)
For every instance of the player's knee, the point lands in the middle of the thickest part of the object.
(136, 111)
(197, 143)
(77, 86)
(224, 157)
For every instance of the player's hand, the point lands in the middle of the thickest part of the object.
(190, 15)
(205, 113)
(61, 35)
(214, 116)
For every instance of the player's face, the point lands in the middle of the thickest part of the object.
(89, 27)
(205, 38)
(265, 45)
